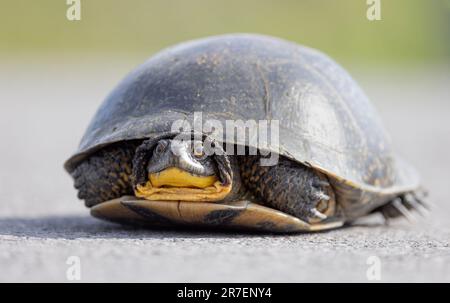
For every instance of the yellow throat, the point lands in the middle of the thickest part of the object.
(174, 184)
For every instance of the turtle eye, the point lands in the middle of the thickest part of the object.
(198, 151)
(160, 147)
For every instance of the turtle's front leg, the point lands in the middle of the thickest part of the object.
(289, 187)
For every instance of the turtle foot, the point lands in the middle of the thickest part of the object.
(409, 205)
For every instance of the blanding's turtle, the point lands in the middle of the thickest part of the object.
(335, 162)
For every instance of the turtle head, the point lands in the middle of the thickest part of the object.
(173, 169)
(181, 164)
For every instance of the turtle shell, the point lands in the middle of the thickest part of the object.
(325, 119)
(241, 214)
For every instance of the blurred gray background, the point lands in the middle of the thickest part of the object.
(54, 74)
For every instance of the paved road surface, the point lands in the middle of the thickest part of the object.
(44, 108)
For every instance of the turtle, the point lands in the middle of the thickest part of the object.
(157, 153)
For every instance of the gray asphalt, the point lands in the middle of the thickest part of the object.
(45, 106)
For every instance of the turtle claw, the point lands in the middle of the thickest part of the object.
(321, 183)
(421, 202)
(403, 210)
(322, 196)
(413, 203)
(315, 214)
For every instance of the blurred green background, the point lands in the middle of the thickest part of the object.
(410, 32)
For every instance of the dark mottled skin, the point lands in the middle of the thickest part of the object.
(106, 174)
(288, 187)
